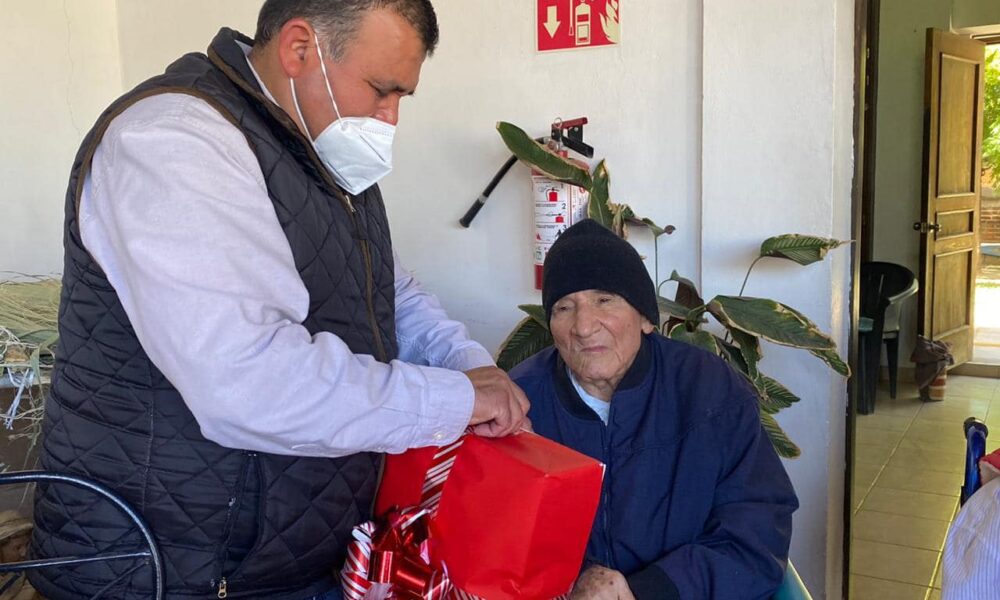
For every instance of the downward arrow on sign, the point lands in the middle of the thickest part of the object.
(552, 23)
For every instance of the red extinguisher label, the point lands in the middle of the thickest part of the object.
(557, 206)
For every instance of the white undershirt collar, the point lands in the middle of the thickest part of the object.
(601, 407)
(246, 52)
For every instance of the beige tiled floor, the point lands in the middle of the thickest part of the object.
(907, 475)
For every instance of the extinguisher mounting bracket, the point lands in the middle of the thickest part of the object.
(570, 134)
(565, 134)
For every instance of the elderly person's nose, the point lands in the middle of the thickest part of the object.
(585, 320)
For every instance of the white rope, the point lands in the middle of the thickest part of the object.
(27, 378)
(20, 373)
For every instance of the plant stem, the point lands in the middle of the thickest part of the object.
(656, 274)
(747, 278)
(656, 260)
(729, 337)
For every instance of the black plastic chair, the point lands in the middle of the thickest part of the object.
(884, 286)
(149, 557)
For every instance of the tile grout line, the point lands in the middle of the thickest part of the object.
(892, 581)
(882, 512)
(937, 565)
(929, 589)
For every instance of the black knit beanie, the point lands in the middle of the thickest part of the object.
(588, 256)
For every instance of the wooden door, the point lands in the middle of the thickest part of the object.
(949, 226)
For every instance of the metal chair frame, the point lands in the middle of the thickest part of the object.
(151, 556)
(975, 448)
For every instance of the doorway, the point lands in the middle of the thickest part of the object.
(906, 457)
(986, 350)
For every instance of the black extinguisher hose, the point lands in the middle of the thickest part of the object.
(481, 200)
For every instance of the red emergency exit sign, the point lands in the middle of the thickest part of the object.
(567, 24)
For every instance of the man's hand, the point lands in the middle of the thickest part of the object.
(599, 583)
(500, 406)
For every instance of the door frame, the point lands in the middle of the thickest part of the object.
(866, 35)
(974, 368)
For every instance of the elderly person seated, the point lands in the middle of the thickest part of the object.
(695, 504)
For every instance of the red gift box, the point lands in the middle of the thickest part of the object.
(514, 513)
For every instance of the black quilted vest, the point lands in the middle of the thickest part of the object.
(271, 526)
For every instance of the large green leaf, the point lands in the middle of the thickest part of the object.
(687, 294)
(803, 249)
(778, 396)
(687, 297)
(833, 359)
(600, 197)
(536, 312)
(676, 310)
(700, 339)
(653, 227)
(732, 354)
(539, 157)
(621, 214)
(785, 447)
(749, 348)
(527, 338)
(770, 320)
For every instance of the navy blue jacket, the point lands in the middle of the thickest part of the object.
(695, 503)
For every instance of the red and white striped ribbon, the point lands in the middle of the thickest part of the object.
(354, 575)
(437, 475)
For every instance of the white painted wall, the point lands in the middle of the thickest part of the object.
(899, 146)
(642, 99)
(983, 14)
(154, 33)
(60, 69)
(777, 158)
(712, 119)
(643, 103)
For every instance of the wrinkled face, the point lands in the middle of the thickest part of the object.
(598, 334)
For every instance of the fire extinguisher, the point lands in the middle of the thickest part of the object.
(557, 205)
(581, 23)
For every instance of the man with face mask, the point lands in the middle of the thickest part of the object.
(238, 342)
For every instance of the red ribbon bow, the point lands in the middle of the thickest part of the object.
(390, 558)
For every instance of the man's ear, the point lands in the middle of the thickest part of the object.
(647, 326)
(296, 46)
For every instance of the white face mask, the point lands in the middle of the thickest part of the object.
(356, 150)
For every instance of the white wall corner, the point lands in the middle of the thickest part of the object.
(778, 158)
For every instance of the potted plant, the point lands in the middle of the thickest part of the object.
(743, 321)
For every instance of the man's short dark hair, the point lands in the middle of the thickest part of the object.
(337, 21)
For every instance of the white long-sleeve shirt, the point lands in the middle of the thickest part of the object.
(176, 212)
(971, 558)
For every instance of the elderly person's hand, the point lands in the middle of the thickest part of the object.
(599, 583)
